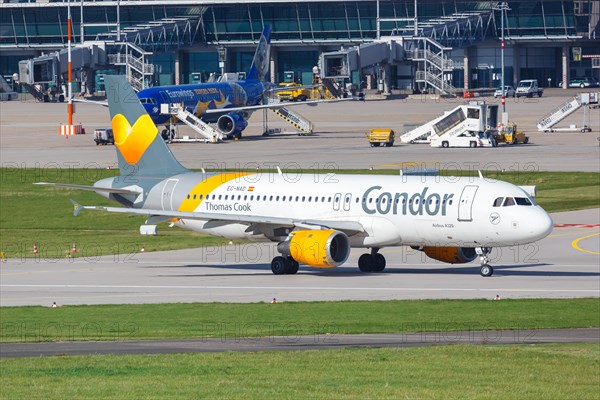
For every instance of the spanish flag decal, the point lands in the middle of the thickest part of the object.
(134, 140)
(251, 188)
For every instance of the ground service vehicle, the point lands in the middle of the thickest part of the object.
(510, 135)
(465, 139)
(104, 136)
(529, 88)
(377, 137)
(295, 92)
(509, 91)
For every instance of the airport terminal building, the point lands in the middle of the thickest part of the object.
(163, 42)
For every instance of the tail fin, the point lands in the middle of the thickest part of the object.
(260, 63)
(140, 149)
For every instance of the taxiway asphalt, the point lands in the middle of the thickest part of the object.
(565, 264)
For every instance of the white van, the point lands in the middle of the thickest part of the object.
(466, 139)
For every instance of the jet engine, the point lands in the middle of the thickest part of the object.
(231, 124)
(317, 248)
(452, 255)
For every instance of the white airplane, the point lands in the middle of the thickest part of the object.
(315, 219)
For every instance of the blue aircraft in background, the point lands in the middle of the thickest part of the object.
(228, 104)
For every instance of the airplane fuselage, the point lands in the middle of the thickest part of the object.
(197, 98)
(394, 210)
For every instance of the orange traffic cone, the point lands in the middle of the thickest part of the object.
(35, 249)
(74, 248)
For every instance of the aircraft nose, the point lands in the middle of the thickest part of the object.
(541, 225)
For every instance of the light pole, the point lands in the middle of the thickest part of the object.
(502, 7)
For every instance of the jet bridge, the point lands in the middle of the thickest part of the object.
(474, 117)
(585, 100)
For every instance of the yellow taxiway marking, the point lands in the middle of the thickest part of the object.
(575, 244)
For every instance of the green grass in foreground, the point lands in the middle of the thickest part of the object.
(42, 215)
(566, 371)
(204, 320)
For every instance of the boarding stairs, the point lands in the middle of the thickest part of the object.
(34, 91)
(564, 110)
(432, 61)
(422, 133)
(6, 91)
(299, 122)
(333, 87)
(209, 133)
(138, 67)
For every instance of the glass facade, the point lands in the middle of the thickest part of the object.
(38, 23)
(324, 24)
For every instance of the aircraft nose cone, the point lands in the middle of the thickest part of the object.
(541, 225)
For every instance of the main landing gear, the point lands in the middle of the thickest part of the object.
(373, 262)
(284, 265)
(484, 259)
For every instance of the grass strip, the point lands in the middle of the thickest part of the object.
(565, 371)
(242, 320)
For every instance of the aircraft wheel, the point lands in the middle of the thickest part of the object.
(378, 262)
(486, 270)
(292, 266)
(279, 265)
(366, 263)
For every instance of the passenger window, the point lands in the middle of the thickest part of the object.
(194, 197)
(509, 202)
(498, 202)
(271, 198)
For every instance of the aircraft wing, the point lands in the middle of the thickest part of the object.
(273, 105)
(348, 227)
(91, 188)
(100, 103)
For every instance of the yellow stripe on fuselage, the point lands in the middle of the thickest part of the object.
(206, 187)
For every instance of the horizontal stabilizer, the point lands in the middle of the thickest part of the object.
(92, 188)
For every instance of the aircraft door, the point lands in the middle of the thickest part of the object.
(347, 201)
(336, 201)
(465, 206)
(167, 194)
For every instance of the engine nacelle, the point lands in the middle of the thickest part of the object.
(231, 124)
(452, 255)
(317, 248)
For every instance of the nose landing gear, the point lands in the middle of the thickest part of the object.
(484, 259)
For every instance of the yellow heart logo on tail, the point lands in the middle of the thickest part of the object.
(134, 140)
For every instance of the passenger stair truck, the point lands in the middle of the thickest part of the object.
(457, 128)
(208, 133)
(303, 125)
(585, 100)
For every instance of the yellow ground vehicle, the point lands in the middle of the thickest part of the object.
(380, 136)
(295, 93)
(510, 135)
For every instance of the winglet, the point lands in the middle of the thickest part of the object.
(76, 207)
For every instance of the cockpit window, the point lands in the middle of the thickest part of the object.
(509, 202)
(498, 202)
(148, 100)
(522, 201)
